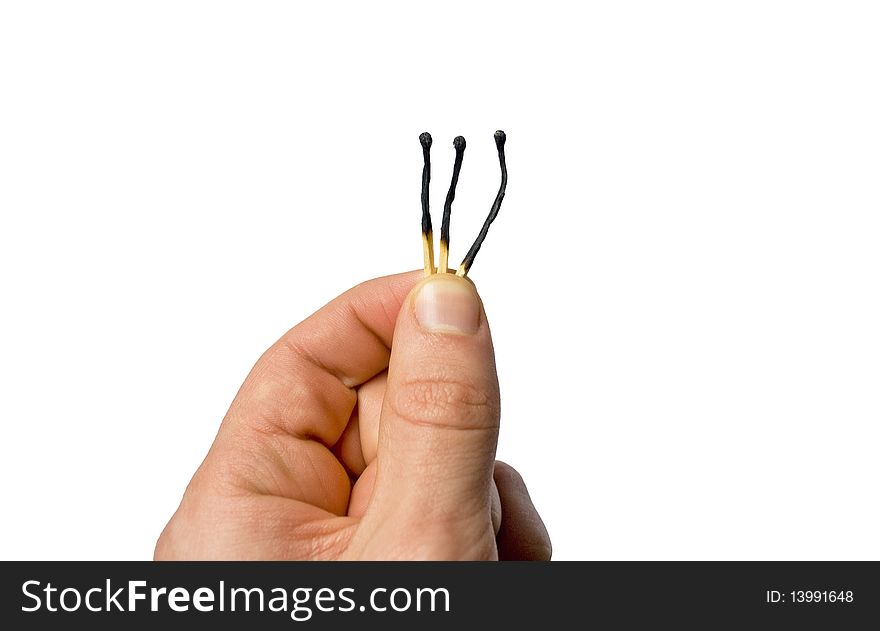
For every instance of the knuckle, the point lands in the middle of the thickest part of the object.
(449, 402)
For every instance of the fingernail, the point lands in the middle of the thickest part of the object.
(448, 305)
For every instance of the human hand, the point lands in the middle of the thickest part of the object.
(343, 445)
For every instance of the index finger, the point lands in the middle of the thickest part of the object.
(304, 384)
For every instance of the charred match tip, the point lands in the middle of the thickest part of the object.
(500, 139)
(425, 140)
(459, 144)
(427, 232)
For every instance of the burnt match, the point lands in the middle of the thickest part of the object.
(427, 231)
(500, 138)
(459, 145)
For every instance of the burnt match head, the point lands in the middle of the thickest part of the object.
(427, 232)
(500, 139)
(425, 140)
(459, 144)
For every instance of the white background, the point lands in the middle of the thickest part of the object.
(682, 283)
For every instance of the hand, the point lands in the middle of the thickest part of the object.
(343, 445)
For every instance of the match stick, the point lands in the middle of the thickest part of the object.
(427, 231)
(459, 145)
(500, 138)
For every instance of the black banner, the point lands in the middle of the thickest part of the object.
(675, 595)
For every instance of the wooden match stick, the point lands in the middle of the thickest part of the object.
(500, 138)
(427, 231)
(459, 145)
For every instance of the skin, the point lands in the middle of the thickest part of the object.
(363, 434)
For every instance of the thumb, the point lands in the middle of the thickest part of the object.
(438, 427)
